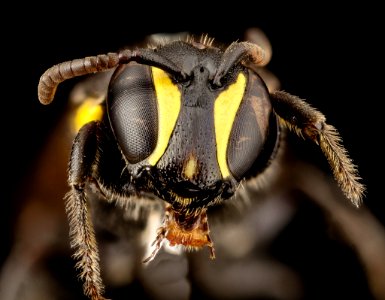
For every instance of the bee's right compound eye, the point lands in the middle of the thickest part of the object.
(143, 105)
(132, 110)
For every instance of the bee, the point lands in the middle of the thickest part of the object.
(183, 126)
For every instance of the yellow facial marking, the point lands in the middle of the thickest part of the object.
(190, 167)
(225, 110)
(89, 110)
(169, 103)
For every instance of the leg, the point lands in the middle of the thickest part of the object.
(309, 123)
(82, 234)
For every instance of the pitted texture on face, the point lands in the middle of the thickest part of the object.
(188, 57)
(193, 136)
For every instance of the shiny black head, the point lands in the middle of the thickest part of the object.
(198, 127)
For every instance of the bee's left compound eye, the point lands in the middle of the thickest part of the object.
(132, 110)
(248, 143)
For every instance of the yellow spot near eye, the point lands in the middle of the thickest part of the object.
(89, 110)
(169, 102)
(190, 168)
(225, 110)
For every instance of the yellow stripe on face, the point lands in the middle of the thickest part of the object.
(89, 110)
(169, 102)
(225, 110)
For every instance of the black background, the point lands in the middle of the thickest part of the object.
(330, 56)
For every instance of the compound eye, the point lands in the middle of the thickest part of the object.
(250, 128)
(143, 105)
(132, 110)
(242, 113)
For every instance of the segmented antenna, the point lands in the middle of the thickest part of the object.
(55, 75)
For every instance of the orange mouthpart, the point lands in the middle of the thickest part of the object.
(189, 230)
